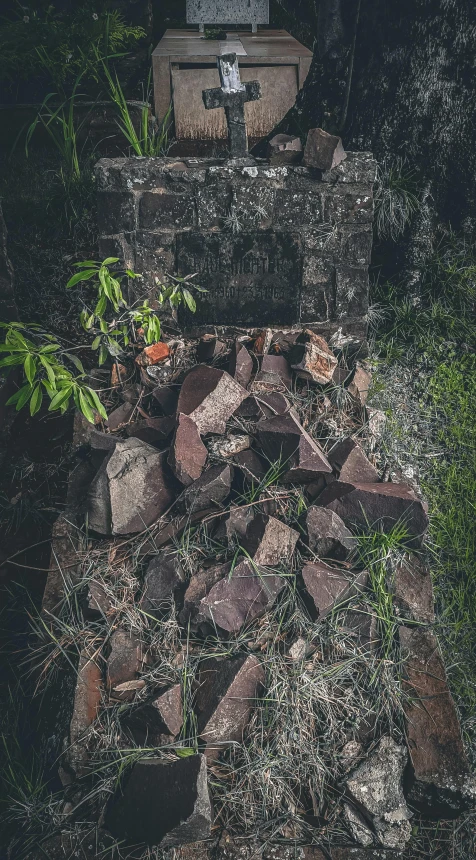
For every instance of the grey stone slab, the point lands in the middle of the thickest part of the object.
(250, 277)
(227, 11)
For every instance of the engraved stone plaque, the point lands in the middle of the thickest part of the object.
(227, 11)
(249, 277)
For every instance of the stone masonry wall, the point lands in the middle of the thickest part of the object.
(273, 245)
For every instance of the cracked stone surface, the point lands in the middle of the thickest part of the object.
(376, 786)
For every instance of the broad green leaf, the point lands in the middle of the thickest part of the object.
(89, 322)
(4, 347)
(184, 752)
(10, 360)
(60, 398)
(101, 306)
(85, 408)
(76, 361)
(189, 300)
(96, 342)
(36, 400)
(103, 326)
(109, 260)
(86, 264)
(25, 394)
(103, 354)
(80, 276)
(49, 371)
(51, 347)
(29, 367)
(95, 402)
(13, 399)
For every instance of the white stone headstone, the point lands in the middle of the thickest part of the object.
(252, 12)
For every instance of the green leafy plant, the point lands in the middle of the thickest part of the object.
(68, 40)
(379, 551)
(151, 139)
(176, 291)
(110, 338)
(60, 125)
(146, 319)
(42, 361)
(396, 198)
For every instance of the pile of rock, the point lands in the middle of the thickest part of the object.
(204, 437)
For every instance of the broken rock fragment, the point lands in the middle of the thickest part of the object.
(154, 431)
(212, 488)
(238, 599)
(120, 416)
(166, 398)
(441, 784)
(283, 438)
(351, 463)
(241, 364)
(188, 454)
(210, 397)
(357, 826)
(132, 489)
(98, 600)
(360, 384)
(252, 466)
(274, 375)
(163, 803)
(313, 359)
(168, 707)
(125, 660)
(273, 403)
(199, 586)
(299, 650)
(328, 536)
(230, 445)
(323, 150)
(365, 505)
(413, 590)
(153, 354)
(209, 347)
(163, 579)
(225, 696)
(284, 149)
(376, 787)
(329, 587)
(266, 539)
(87, 698)
(362, 625)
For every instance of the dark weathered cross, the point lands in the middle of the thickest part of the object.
(232, 96)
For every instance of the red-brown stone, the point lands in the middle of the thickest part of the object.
(329, 587)
(283, 438)
(210, 397)
(442, 785)
(224, 700)
(385, 504)
(153, 354)
(351, 463)
(188, 454)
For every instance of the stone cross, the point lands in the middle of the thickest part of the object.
(232, 96)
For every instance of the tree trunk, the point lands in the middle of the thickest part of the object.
(8, 310)
(398, 78)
